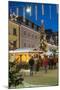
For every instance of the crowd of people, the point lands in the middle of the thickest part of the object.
(36, 63)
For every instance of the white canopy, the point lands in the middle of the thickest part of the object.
(25, 50)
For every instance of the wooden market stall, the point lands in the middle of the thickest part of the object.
(23, 54)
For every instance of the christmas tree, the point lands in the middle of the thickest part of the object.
(15, 77)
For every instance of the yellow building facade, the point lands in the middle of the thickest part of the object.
(14, 36)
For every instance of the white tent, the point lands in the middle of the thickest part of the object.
(25, 50)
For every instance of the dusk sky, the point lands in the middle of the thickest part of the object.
(50, 13)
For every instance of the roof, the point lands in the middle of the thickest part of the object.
(20, 50)
(20, 19)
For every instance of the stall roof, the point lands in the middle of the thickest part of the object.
(25, 50)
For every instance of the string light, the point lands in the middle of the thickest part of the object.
(28, 10)
(17, 11)
(42, 9)
(50, 11)
(57, 8)
(24, 14)
(36, 11)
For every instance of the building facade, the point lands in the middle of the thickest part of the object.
(23, 36)
(13, 35)
(29, 38)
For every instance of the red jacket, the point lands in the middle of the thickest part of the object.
(45, 62)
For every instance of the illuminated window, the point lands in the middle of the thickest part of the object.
(32, 25)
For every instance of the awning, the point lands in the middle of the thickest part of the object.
(25, 50)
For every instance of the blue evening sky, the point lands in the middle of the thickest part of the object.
(48, 23)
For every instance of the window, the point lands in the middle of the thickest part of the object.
(14, 31)
(24, 44)
(32, 35)
(14, 44)
(29, 45)
(35, 37)
(27, 22)
(37, 28)
(28, 34)
(32, 25)
(32, 46)
(24, 32)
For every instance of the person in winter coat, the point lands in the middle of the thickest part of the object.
(31, 64)
(45, 63)
(37, 65)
